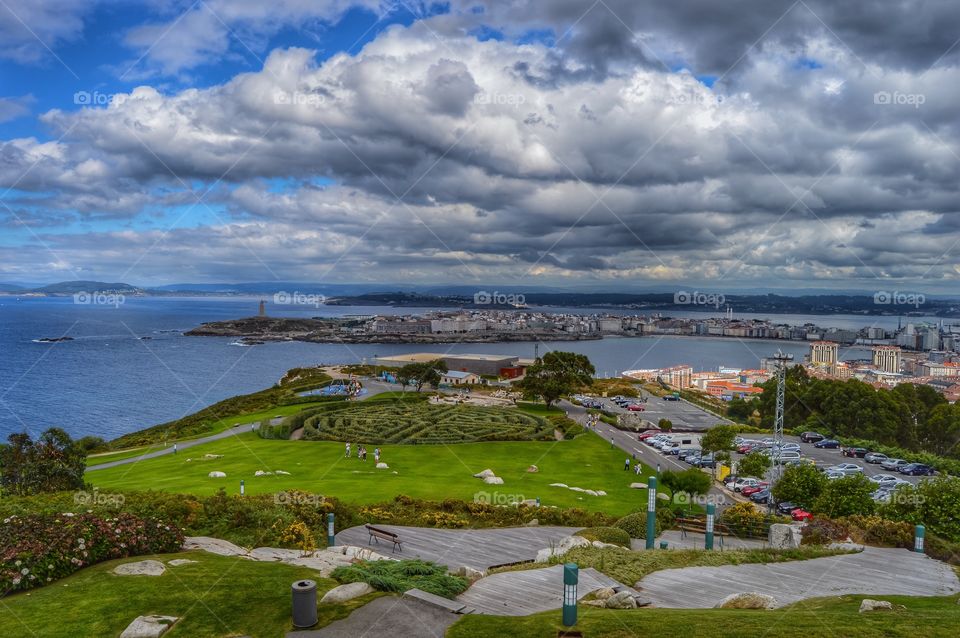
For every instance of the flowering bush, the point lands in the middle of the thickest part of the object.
(38, 549)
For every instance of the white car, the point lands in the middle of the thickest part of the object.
(745, 482)
(846, 469)
(886, 479)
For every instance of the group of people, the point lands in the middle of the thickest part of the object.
(362, 453)
(592, 421)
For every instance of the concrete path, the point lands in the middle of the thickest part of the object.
(476, 548)
(694, 540)
(391, 616)
(373, 388)
(530, 591)
(874, 571)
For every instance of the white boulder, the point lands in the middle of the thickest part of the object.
(563, 485)
(484, 474)
(281, 472)
(343, 593)
(782, 536)
(262, 473)
(217, 475)
(621, 600)
(148, 626)
(177, 562)
(565, 545)
(868, 604)
(533, 469)
(747, 600)
(493, 480)
(638, 486)
(140, 568)
(382, 466)
(214, 546)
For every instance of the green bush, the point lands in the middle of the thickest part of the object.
(875, 530)
(399, 576)
(745, 520)
(612, 535)
(823, 531)
(635, 525)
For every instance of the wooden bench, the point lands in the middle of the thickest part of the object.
(376, 534)
(699, 525)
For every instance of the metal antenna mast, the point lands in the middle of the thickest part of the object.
(782, 360)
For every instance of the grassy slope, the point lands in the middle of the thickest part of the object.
(218, 596)
(431, 472)
(826, 618)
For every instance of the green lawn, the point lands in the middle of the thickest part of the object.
(818, 618)
(217, 426)
(422, 471)
(217, 596)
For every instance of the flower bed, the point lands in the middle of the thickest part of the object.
(39, 549)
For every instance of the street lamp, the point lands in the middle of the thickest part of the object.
(570, 578)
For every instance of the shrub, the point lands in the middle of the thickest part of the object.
(875, 530)
(399, 576)
(40, 548)
(846, 496)
(636, 525)
(566, 425)
(612, 535)
(823, 531)
(744, 519)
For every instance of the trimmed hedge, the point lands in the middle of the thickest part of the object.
(612, 535)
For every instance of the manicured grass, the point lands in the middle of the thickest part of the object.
(217, 426)
(217, 596)
(817, 618)
(538, 409)
(433, 472)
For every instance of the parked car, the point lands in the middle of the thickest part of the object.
(692, 459)
(746, 447)
(885, 479)
(811, 437)
(801, 514)
(647, 435)
(846, 468)
(753, 489)
(671, 397)
(636, 407)
(917, 469)
(827, 444)
(833, 475)
(688, 451)
(786, 507)
(706, 461)
(763, 496)
(746, 482)
(786, 455)
(875, 457)
(790, 446)
(855, 452)
(894, 464)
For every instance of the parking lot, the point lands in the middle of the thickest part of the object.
(683, 415)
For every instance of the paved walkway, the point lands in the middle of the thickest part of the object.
(476, 548)
(874, 571)
(391, 616)
(694, 540)
(531, 591)
(373, 388)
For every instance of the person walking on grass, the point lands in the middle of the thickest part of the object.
(346, 453)
(637, 469)
(376, 455)
(626, 465)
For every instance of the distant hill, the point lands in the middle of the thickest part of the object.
(10, 287)
(70, 287)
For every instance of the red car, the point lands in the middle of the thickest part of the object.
(747, 491)
(801, 514)
(746, 448)
(636, 407)
(647, 435)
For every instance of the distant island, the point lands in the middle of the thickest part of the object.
(255, 330)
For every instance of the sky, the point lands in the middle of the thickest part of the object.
(607, 144)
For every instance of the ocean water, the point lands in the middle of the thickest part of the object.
(108, 381)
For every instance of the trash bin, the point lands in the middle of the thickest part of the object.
(663, 544)
(304, 604)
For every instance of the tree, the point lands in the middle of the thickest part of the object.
(719, 441)
(941, 431)
(692, 482)
(665, 424)
(754, 464)
(740, 410)
(846, 496)
(934, 503)
(800, 485)
(556, 374)
(421, 374)
(52, 463)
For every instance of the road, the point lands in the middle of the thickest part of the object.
(627, 441)
(683, 414)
